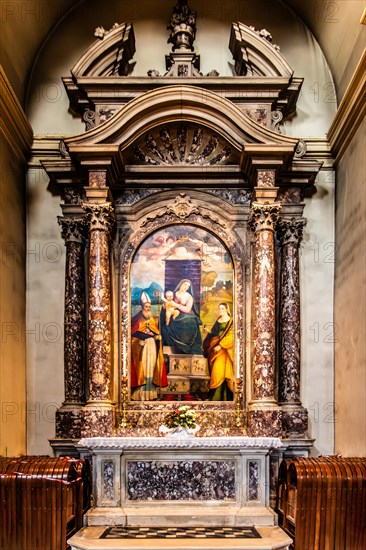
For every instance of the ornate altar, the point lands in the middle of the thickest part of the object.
(182, 177)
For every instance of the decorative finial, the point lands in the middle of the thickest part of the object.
(182, 27)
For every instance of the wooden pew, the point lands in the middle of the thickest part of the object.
(43, 500)
(321, 502)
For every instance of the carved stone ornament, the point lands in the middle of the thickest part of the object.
(89, 119)
(185, 144)
(73, 229)
(100, 216)
(266, 178)
(182, 27)
(182, 209)
(290, 230)
(264, 216)
(276, 118)
(300, 149)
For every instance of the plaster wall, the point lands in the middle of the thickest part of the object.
(12, 304)
(350, 300)
(45, 298)
(336, 25)
(318, 331)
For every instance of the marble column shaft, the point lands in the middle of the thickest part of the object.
(264, 217)
(290, 232)
(100, 217)
(73, 231)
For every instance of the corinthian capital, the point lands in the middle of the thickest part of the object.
(290, 230)
(264, 216)
(99, 215)
(73, 229)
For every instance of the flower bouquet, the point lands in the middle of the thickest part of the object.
(180, 422)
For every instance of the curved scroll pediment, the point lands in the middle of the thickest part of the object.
(255, 55)
(109, 55)
(179, 103)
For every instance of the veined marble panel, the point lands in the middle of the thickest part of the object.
(181, 480)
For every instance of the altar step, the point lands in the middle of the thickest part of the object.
(168, 515)
(271, 538)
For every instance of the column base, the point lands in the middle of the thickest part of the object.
(264, 420)
(294, 421)
(68, 422)
(97, 420)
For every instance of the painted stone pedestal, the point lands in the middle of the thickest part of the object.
(198, 481)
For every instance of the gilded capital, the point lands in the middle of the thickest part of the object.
(290, 230)
(264, 216)
(73, 229)
(100, 216)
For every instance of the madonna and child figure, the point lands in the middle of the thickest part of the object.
(182, 331)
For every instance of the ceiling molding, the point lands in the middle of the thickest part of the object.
(14, 124)
(351, 112)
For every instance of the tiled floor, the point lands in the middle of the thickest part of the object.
(119, 532)
(89, 538)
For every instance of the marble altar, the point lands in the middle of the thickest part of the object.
(196, 481)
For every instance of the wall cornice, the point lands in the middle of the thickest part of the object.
(351, 112)
(14, 124)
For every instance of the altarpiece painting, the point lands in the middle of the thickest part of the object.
(182, 334)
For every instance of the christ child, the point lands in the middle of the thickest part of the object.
(169, 307)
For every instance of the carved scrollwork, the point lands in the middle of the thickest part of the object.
(301, 149)
(182, 209)
(276, 118)
(89, 119)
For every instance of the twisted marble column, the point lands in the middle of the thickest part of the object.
(73, 232)
(290, 233)
(100, 218)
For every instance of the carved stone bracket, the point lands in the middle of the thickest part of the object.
(89, 119)
(276, 118)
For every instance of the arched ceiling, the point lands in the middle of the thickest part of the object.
(24, 27)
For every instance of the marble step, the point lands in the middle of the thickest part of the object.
(167, 515)
(272, 538)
